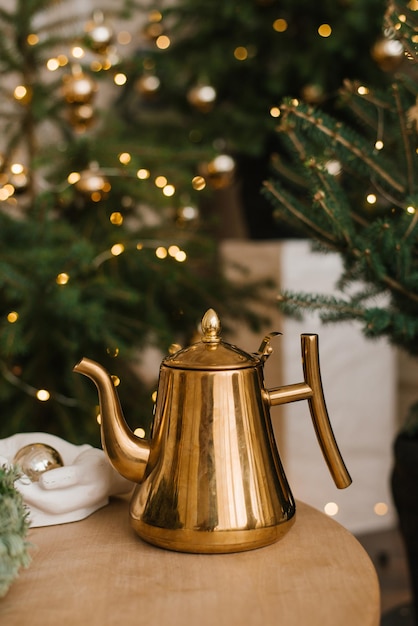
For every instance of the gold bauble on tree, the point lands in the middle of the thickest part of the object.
(187, 215)
(388, 53)
(99, 33)
(92, 183)
(220, 172)
(148, 86)
(202, 97)
(78, 87)
(81, 117)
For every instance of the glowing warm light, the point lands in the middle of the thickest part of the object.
(163, 42)
(143, 174)
(124, 158)
(241, 53)
(198, 183)
(20, 92)
(32, 39)
(411, 210)
(17, 168)
(295, 102)
(160, 182)
(12, 317)
(181, 256)
(96, 66)
(173, 250)
(154, 396)
(331, 508)
(324, 30)
(280, 25)
(275, 112)
(62, 60)
(379, 144)
(139, 246)
(74, 177)
(77, 52)
(381, 508)
(6, 192)
(371, 198)
(120, 79)
(52, 65)
(112, 352)
(161, 252)
(43, 395)
(362, 90)
(116, 218)
(62, 279)
(117, 249)
(124, 37)
(139, 432)
(99, 418)
(169, 190)
(115, 380)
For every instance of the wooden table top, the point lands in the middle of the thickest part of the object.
(97, 572)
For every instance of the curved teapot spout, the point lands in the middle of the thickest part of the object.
(127, 453)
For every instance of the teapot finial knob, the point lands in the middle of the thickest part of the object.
(211, 327)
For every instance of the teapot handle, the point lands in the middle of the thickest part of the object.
(312, 391)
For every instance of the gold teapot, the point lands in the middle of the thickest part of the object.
(210, 479)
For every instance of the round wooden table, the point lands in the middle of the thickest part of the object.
(97, 572)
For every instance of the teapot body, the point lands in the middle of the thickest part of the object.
(210, 478)
(215, 481)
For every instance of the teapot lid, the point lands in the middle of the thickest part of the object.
(211, 352)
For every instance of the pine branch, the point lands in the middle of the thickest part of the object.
(306, 114)
(324, 235)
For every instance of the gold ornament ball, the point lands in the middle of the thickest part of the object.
(388, 54)
(81, 116)
(99, 36)
(187, 214)
(37, 458)
(219, 172)
(92, 183)
(79, 88)
(148, 85)
(202, 97)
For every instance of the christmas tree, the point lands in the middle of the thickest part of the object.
(100, 256)
(351, 187)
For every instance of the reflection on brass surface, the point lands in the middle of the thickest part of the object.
(210, 479)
